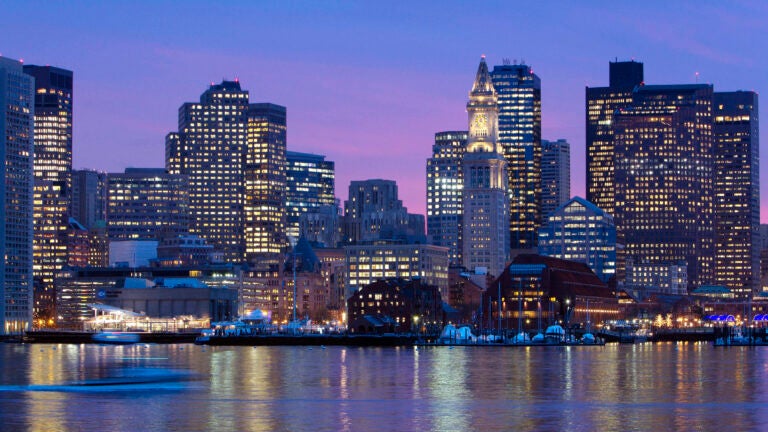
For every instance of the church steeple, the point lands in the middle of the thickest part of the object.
(483, 83)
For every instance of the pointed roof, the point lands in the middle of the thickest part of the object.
(483, 82)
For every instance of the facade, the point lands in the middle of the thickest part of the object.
(645, 278)
(369, 263)
(445, 183)
(373, 212)
(538, 291)
(265, 182)
(146, 203)
(132, 253)
(205, 291)
(210, 149)
(322, 226)
(53, 180)
(17, 108)
(485, 203)
(89, 197)
(464, 296)
(310, 185)
(555, 175)
(663, 178)
(580, 231)
(737, 192)
(401, 305)
(519, 106)
(602, 103)
(184, 250)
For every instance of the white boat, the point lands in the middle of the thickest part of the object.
(116, 338)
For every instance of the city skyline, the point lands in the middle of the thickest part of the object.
(369, 85)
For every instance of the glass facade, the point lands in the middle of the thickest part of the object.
(17, 105)
(519, 106)
(445, 183)
(737, 192)
(146, 204)
(555, 175)
(309, 186)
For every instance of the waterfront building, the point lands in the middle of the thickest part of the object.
(333, 267)
(17, 108)
(265, 182)
(373, 212)
(143, 203)
(53, 180)
(555, 175)
(322, 226)
(601, 104)
(310, 185)
(89, 197)
(580, 231)
(445, 183)
(485, 203)
(199, 291)
(538, 291)
(184, 250)
(464, 296)
(368, 263)
(210, 149)
(395, 306)
(737, 192)
(519, 135)
(664, 178)
(646, 278)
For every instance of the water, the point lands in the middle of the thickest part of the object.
(616, 387)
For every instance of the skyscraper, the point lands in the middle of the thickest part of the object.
(602, 102)
(737, 192)
(309, 186)
(663, 178)
(444, 192)
(53, 181)
(555, 175)
(17, 108)
(210, 149)
(147, 204)
(485, 201)
(374, 213)
(519, 105)
(89, 197)
(580, 231)
(265, 189)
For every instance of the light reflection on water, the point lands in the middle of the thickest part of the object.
(627, 387)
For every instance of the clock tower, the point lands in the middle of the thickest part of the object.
(485, 225)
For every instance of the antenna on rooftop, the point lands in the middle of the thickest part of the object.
(505, 61)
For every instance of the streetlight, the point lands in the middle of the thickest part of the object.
(416, 322)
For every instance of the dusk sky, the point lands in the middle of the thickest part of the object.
(367, 83)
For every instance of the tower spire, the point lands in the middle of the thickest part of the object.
(483, 82)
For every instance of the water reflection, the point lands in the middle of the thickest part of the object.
(640, 387)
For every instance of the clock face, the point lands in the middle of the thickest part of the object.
(481, 121)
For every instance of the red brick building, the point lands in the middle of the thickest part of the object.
(402, 305)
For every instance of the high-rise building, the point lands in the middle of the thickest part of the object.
(445, 183)
(89, 197)
(519, 105)
(53, 181)
(322, 226)
(555, 175)
(146, 204)
(663, 178)
(17, 110)
(737, 192)
(210, 148)
(373, 212)
(265, 189)
(580, 231)
(485, 203)
(310, 181)
(602, 103)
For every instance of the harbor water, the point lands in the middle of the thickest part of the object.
(662, 386)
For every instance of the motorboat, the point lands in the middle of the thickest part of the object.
(116, 338)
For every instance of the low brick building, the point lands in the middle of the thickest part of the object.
(406, 305)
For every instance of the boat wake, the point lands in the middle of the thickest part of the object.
(127, 380)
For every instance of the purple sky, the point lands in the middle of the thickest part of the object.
(367, 83)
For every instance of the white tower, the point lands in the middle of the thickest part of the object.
(485, 200)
